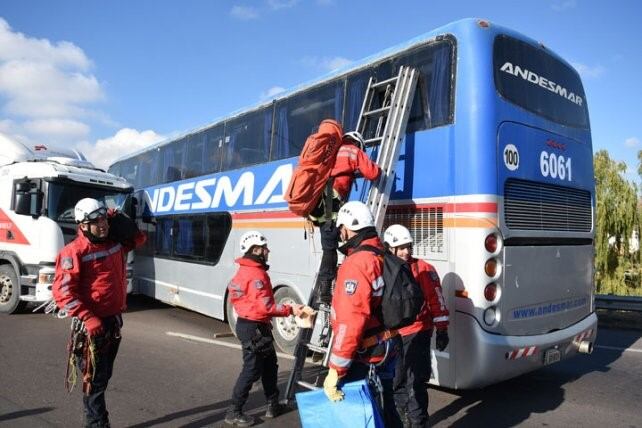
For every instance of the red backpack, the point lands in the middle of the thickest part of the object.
(313, 171)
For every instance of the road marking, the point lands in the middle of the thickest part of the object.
(614, 348)
(219, 342)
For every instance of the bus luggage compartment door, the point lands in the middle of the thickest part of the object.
(545, 288)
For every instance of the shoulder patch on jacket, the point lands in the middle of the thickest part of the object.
(350, 286)
(67, 263)
(258, 284)
(433, 275)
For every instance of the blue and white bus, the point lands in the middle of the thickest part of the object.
(495, 182)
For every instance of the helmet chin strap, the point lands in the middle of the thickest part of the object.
(92, 238)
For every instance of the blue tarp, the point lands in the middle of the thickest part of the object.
(358, 408)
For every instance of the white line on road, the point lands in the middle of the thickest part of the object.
(614, 348)
(218, 342)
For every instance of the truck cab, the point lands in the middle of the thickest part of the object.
(39, 188)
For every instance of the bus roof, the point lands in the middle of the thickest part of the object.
(455, 28)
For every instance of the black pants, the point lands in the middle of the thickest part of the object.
(329, 246)
(107, 345)
(259, 362)
(385, 372)
(411, 375)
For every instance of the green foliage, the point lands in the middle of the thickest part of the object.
(617, 216)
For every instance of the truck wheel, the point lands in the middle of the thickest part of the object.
(9, 291)
(285, 331)
(230, 315)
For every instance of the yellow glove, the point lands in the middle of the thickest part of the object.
(330, 386)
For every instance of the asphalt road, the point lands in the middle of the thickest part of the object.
(172, 372)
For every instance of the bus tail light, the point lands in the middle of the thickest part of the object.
(491, 267)
(491, 243)
(490, 292)
(490, 316)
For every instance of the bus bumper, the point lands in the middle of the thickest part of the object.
(483, 358)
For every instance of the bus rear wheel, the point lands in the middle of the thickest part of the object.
(286, 332)
(9, 291)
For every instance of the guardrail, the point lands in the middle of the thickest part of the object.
(618, 303)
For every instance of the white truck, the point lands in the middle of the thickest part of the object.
(39, 188)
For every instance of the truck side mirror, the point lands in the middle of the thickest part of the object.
(27, 198)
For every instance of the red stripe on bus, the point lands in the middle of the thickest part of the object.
(462, 207)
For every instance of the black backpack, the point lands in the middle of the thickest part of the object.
(402, 296)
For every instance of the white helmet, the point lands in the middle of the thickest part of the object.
(355, 215)
(357, 138)
(250, 239)
(89, 209)
(397, 235)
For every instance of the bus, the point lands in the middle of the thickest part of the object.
(494, 181)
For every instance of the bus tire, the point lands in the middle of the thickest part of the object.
(285, 331)
(9, 291)
(230, 315)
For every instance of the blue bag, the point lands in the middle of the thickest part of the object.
(357, 409)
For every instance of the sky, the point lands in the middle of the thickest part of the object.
(111, 77)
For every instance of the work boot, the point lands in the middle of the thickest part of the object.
(275, 409)
(238, 418)
(324, 293)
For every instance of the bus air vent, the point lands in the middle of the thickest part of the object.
(529, 205)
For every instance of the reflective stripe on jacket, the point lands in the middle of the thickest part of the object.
(91, 278)
(251, 293)
(350, 159)
(357, 294)
(434, 311)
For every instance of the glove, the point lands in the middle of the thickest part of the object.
(442, 339)
(330, 386)
(121, 227)
(94, 326)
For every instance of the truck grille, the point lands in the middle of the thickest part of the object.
(529, 205)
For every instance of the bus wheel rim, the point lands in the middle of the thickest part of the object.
(286, 326)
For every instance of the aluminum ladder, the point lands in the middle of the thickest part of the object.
(382, 122)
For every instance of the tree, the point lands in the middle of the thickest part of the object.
(616, 218)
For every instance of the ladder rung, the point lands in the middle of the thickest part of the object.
(369, 142)
(308, 385)
(384, 82)
(315, 348)
(377, 111)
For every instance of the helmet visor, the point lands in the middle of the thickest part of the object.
(95, 215)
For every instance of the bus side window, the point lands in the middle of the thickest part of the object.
(213, 149)
(218, 230)
(299, 116)
(247, 139)
(190, 239)
(194, 155)
(172, 161)
(357, 84)
(431, 106)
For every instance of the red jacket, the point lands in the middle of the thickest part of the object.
(358, 292)
(434, 311)
(91, 278)
(251, 293)
(350, 159)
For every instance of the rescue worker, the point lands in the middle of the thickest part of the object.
(412, 371)
(351, 159)
(359, 338)
(251, 294)
(90, 285)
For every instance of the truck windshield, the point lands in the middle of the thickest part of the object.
(62, 198)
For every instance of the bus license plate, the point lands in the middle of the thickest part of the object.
(552, 356)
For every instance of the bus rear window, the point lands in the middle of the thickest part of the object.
(535, 80)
